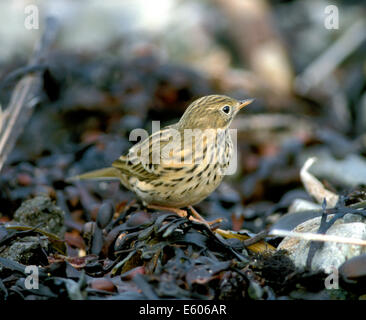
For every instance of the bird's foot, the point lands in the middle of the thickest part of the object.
(184, 214)
(179, 212)
(199, 217)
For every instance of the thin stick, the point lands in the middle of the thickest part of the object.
(258, 245)
(317, 237)
(331, 58)
(314, 187)
(25, 95)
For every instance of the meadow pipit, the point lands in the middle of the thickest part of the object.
(181, 164)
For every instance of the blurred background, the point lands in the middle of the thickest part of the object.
(118, 65)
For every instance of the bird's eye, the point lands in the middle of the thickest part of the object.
(226, 109)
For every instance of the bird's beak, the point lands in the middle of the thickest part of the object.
(244, 103)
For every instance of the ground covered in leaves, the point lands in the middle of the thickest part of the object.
(93, 240)
(113, 248)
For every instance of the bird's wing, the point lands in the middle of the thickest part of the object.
(144, 159)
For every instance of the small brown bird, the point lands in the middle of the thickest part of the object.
(181, 164)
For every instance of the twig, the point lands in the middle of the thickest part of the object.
(16, 74)
(255, 245)
(323, 228)
(25, 94)
(317, 237)
(331, 58)
(2, 118)
(314, 187)
(258, 237)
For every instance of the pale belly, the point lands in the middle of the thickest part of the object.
(179, 196)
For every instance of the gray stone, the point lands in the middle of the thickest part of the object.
(41, 209)
(332, 254)
(26, 250)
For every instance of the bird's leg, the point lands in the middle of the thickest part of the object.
(179, 212)
(199, 217)
(183, 213)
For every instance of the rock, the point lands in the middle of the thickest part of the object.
(353, 275)
(41, 209)
(302, 205)
(332, 254)
(27, 250)
(32, 250)
(354, 269)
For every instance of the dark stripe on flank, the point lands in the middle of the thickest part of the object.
(194, 168)
(178, 179)
(139, 189)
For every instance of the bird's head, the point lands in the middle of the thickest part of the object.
(212, 112)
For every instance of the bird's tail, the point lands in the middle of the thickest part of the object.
(101, 174)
